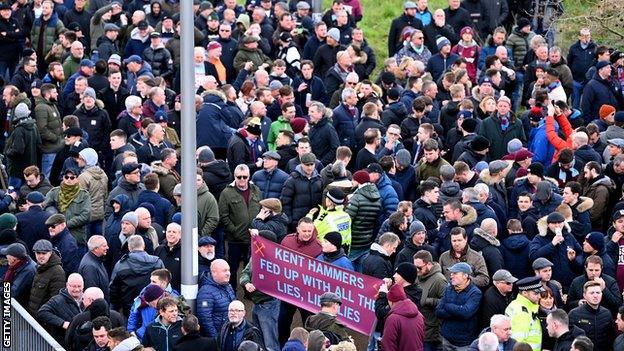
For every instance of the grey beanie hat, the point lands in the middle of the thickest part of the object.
(21, 111)
(403, 158)
(132, 218)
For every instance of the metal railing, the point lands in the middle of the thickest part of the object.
(24, 333)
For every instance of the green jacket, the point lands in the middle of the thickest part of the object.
(364, 208)
(244, 55)
(276, 126)
(525, 325)
(257, 297)
(95, 181)
(491, 130)
(519, 44)
(49, 124)
(48, 280)
(235, 215)
(71, 66)
(207, 211)
(50, 33)
(77, 215)
(433, 285)
(424, 170)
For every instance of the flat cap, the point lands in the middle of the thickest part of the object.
(42, 245)
(206, 240)
(461, 267)
(541, 263)
(272, 155)
(503, 275)
(55, 219)
(330, 297)
(272, 204)
(308, 158)
(130, 167)
(16, 250)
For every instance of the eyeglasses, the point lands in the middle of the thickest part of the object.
(69, 177)
(242, 177)
(351, 83)
(236, 311)
(224, 30)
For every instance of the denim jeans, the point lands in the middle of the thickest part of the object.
(373, 341)
(577, 90)
(265, 317)
(47, 160)
(357, 256)
(517, 93)
(430, 346)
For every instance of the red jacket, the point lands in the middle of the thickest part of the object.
(310, 248)
(404, 328)
(553, 136)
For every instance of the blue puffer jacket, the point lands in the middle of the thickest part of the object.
(142, 315)
(457, 313)
(270, 183)
(544, 209)
(211, 127)
(342, 261)
(564, 270)
(213, 301)
(540, 146)
(389, 198)
(345, 124)
(515, 250)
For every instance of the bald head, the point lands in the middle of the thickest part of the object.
(489, 226)
(75, 285)
(220, 271)
(91, 294)
(256, 107)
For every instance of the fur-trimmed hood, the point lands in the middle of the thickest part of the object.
(376, 89)
(542, 226)
(584, 204)
(480, 233)
(214, 92)
(486, 177)
(469, 217)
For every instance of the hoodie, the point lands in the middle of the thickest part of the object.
(130, 344)
(404, 328)
(488, 246)
(515, 250)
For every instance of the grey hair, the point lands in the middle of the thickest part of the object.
(241, 168)
(388, 237)
(618, 160)
(339, 169)
(482, 189)
(346, 93)
(135, 242)
(95, 242)
(318, 106)
(497, 319)
(151, 128)
(132, 101)
(554, 49)
(489, 226)
(488, 342)
(471, 194)
(94, 293)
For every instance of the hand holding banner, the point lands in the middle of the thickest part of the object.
(301, 280)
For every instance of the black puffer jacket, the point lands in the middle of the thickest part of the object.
(597, 324)
(130, 275)
(58, 310)
(324, 141)
(217, 176)
(160, 60)
(79, 332)
(21, 146)
(377, 264)
(364, 208)
(49, 279)
(300, 194)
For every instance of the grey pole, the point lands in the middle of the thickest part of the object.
(189, 191)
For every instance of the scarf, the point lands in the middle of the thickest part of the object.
(333, 256)
(67, 195)
(504, 119)
(417, 50)
(10, 273)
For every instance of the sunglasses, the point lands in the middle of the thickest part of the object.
(350, 83)
(51, 226)
(242, 177)
(69, 177)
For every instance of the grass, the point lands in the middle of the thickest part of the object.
(378, 15)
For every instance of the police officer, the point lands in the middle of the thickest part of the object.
(333, 218)
(525, 324)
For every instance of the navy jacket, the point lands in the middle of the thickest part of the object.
(515, 250)
(213, 301)
(66, 245)
(345, 123)
(324, 141)
(31, 225)
(438, 64)
(564, 270)
(458, 314)
(270, 183)
(94, 273)
(597, 92)
(580, 60)
(212, 130)
(164, 208)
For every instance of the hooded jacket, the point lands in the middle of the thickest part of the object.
(130, 275)
(300, 194)
(433, 285)
(364, 208)
(212, 129)
(404, 328)
(564, 270)
(77, 214)
(48, 120)
(442, 241)
(600, 189)
(515, 250)
(217, 176)
(488, 246)
(377, 264)
(123, 187)
(95, 181)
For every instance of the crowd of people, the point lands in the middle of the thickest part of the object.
(479, 174)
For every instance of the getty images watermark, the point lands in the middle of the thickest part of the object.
(6, 315)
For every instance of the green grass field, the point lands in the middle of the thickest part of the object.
(378, 15)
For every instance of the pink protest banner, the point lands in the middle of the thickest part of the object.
(301, 280)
